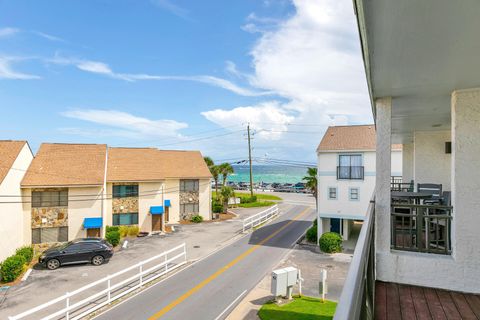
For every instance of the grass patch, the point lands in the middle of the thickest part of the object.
(256, 204)
(260, 196)
(301, 308)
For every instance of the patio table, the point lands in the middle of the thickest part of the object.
(415, 196)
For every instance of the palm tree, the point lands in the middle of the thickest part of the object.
(227, 193)
(311, 182)
(215, 171)
(226, 169)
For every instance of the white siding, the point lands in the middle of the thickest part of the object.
(12, 214)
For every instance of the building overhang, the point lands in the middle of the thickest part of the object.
(418, 53)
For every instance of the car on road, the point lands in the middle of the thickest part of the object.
(84, 250)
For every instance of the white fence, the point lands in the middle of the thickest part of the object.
(259, 218)
(104, 291)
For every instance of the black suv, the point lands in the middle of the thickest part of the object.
(84, 250)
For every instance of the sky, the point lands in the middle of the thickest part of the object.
(181, 74)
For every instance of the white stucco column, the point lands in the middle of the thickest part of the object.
(407, 162)
(466, 182)
(383, 171)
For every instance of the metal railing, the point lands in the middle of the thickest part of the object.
(259, 218)
(104, 291)
(421, 228)
(350, 172)
(357, 298)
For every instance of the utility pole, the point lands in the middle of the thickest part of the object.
(250, 159)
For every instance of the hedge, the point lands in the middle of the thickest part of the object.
(312, 234)
(331, 242)
(112, 228)
(248, 199)
(12, 267)
(26, 252)
(196, 218)
(113, 237)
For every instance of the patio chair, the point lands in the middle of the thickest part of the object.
(434, 189)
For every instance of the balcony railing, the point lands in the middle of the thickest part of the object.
(350, 172)
(421, 228)
(356, 301)
(397, 184)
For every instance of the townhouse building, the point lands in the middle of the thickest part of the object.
(346, 176)
(76, 190)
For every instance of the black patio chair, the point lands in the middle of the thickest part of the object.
(434, 189)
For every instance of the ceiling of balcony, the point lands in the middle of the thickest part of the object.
(418, 53)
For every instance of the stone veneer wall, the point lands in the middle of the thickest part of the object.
(55, 216)
(187, 197)
(130, 204)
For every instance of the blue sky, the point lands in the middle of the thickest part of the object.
(181, 74)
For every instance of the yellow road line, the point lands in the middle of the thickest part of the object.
(222, 270)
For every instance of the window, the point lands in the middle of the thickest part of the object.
(188, 185)
(189, 208)
(49, 199)
(354, 194)
(46, 235)
(120, 219)
(125, 191)
(350, 166)
(332, 193)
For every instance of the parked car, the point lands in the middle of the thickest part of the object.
(83, 250)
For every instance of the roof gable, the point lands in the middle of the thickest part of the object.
(9, 151)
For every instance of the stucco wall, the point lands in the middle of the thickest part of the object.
(461, 270)
(151, 194)
(407, 163)
(431, 163)
(12, 216)
(89, 207)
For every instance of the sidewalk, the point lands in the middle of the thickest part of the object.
(44, 285)
(310, 261)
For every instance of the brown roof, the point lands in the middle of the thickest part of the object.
(58, 164)
(149, 164)
(9, 150)
(360, 137)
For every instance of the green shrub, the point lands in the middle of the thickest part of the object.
(196, 218)
(113, 237)
(133, 231)
(331, 242)
(312, 234)
(111, 228)
(248, 199)
(217, 208)
(26, 252)
(12, 267)
(315, 222)
(123, 230)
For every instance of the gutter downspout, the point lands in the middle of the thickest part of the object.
(104, 194)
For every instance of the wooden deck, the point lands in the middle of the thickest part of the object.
(396, 301)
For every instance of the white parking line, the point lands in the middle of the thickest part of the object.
(230, 305)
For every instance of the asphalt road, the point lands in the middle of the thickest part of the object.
(210, 288)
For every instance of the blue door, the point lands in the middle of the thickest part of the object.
(335, 225)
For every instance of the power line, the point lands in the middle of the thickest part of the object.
(199, 139)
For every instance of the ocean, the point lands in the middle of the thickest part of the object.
(268, 174)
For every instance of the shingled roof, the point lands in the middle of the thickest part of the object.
(150, 164)
(358, 137)
(58, 164)
(9, 150)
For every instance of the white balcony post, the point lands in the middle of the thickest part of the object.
(383, 173)
(466, 184)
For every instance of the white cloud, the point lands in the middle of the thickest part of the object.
(7, 71)
(104, 69)
(8, 32)
(313, 60)
(48, 36)
(267, 117)
(129, 124)
(173, 8)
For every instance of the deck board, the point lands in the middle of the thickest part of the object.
(398, 301)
